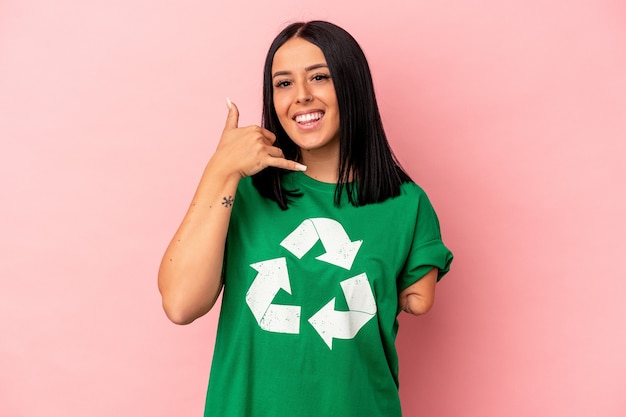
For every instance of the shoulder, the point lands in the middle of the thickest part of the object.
(410, 191)
(411, 188)
(415, 199)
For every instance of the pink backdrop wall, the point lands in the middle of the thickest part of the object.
(511, 114)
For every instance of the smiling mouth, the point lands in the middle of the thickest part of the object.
(308, 118)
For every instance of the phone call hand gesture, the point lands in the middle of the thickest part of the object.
(248, 150)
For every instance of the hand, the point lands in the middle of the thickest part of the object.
(248, 150)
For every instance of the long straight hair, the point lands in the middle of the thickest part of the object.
(364, 152)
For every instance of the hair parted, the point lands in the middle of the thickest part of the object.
(364, 150)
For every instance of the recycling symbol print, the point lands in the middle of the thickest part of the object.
(272, 276)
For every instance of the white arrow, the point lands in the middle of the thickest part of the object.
(332, 324)
(272, 277)
(340, 250)
(358, 293)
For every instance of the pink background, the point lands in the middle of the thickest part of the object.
(511, 114)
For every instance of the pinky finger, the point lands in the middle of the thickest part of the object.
(286, 164)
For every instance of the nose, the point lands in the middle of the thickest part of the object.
(305, 98)
(304, 95)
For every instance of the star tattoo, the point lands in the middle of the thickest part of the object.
(228, 202)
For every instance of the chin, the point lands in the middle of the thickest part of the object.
(308, 146)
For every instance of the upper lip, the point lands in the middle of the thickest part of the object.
(306, 112)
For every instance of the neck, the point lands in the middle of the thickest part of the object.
(321, 167)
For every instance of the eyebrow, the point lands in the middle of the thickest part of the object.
(307, 69)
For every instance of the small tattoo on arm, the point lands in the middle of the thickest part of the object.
(228, 202)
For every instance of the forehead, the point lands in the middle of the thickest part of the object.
(295, 54)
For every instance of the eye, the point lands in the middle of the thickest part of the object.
(282, 84)
(320, 77)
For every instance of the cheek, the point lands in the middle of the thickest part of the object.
(279, 99)
(281, 111)
(280, 105)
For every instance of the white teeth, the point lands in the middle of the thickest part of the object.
(305, 118)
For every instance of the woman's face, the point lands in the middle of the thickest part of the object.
(304, 96)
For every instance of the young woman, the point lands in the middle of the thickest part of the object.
(317, 236)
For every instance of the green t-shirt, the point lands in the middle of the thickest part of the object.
(310, 304)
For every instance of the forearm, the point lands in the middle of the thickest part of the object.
(419, 298)
(190, 275)
(190, 272)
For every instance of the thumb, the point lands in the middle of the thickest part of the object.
(232, 120)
